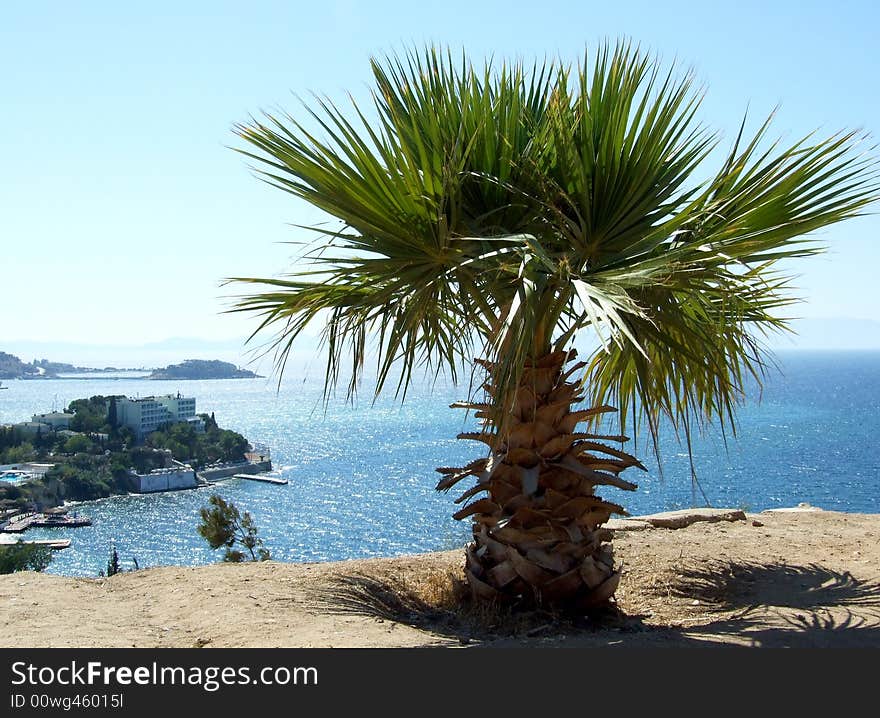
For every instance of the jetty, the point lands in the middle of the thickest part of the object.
(261, 477)
(23, 522)
(213, 473)
(54, 544)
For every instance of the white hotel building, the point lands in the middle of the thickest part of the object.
(145, 415)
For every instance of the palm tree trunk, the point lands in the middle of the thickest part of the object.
(538, 536)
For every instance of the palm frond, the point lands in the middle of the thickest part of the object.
(503, 209)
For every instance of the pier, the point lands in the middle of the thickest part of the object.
(23, 522)
(261, 477)
(213, 474)
(54, 544)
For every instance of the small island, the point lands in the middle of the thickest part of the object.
(203, 369)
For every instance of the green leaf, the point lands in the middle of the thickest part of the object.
(504, 208)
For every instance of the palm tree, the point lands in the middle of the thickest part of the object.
(499, 211)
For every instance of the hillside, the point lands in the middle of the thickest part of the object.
(11, 367)
(778, 579)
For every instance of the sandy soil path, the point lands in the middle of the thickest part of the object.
(776, 579)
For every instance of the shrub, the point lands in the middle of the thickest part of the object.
(223, 525)
(24, 557)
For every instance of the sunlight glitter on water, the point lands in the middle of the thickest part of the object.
(362, 478)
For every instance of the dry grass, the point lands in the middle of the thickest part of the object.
(810, 579)
(439, 600)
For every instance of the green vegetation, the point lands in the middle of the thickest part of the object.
(198, 449)
(24, 557)
(90, 414)
(202, 369)
(501, 211)
(114, 565)
(95, 463)
(11, 367)
(113, 562)
(77, 444)
(223, 525)
(15, 445)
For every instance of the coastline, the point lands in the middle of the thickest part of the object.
(778, 578)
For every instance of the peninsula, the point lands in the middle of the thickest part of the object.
(11, 367)
(108, 445)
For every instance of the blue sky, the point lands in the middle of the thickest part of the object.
(122, 206)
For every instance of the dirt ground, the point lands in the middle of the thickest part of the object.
(775, 579)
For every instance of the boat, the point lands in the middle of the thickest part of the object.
(54, 544)
(22, 522)
(64, 522)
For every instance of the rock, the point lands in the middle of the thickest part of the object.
(686, 517)
(793, 509)
(757, 523)
(633, 524)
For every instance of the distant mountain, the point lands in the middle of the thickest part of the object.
(202, 369)
(832, 333)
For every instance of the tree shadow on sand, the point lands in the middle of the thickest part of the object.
(775, 628)
(771, 604)
(780, 604)
(732, 585)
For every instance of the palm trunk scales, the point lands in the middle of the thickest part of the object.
(538, 535)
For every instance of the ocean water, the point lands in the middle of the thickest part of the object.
(362, 477)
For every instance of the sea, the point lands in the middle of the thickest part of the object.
(361, 473)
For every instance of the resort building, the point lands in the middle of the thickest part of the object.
(37, 469)
(32, 427)
(179, 476)
(145, 415)
(20, 473)
(56, 419)
(258, 453)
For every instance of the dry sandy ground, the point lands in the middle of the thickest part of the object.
(776, 579)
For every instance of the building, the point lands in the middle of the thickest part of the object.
(55, 419)
(180, 476)
(32, 427)
(36, 469)
(258, 453)
(145, 415)
(20, 473)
